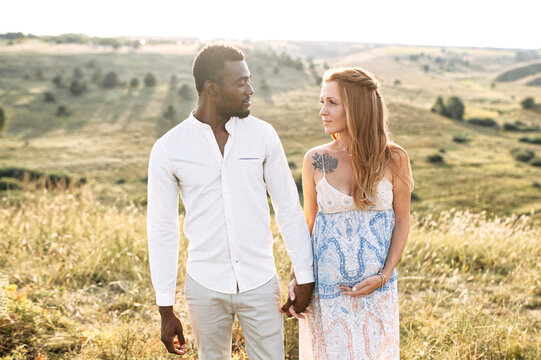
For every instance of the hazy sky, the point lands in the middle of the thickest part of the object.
(479, 23)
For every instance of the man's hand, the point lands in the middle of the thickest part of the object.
(299, 297)
(172, 335)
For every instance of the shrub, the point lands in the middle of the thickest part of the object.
(48, 97)
(77, 87)
(534, 140)
(522, 154)
(110, 80)
(150, 80)
(458, 138)
(169, 113)
(511, 127)
(62, 110)
(3, 121)
(134, 83)
(536, 161)
(455, 108)
(39, 75)
(9, 184)
(186, 92)
(488, 122)
(173, 83)
(527, 103)
(292, 164)
(397, 82)
(77, 73)
(519, 127)
(415, 197)
(435, 159)
(58, 80)
(439, 107)
(22, 174)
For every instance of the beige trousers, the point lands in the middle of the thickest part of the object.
(212, 314)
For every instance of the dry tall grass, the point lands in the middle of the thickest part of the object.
(76, 284)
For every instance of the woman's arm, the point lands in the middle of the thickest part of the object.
(401, 207)
(309, 190)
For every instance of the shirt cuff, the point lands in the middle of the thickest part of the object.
(304, 277)
(165, 298)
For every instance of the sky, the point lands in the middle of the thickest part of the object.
(471, 23)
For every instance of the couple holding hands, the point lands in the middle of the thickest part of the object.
(344, 250)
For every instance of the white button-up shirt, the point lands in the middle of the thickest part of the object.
(227, 218)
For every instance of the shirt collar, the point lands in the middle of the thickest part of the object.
(229, 125)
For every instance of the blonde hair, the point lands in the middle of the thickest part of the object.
(367, 126)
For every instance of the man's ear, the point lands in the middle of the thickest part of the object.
(212, 88)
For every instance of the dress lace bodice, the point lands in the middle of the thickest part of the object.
(332, 200)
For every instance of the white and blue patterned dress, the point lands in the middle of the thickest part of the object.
(350, 245)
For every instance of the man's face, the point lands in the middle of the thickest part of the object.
(235, 90)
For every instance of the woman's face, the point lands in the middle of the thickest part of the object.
(333, 112)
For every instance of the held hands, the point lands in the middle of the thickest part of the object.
(299, 297)
(365, 287)
(172, 335)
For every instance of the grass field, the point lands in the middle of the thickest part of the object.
(74, 279)
(76, 284)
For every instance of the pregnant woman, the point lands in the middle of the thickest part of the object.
(357, 193)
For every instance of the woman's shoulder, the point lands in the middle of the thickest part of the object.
(399, 156)
(314, 154)
(324, 148)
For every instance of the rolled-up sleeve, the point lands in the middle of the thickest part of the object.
(162, 225)
(288, 212)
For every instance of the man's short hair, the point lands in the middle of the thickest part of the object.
(210, 62)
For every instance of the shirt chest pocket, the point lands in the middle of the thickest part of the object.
(251, 165)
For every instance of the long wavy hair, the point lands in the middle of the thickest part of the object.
(367, 126)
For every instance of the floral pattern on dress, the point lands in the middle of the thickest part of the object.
(350, 245)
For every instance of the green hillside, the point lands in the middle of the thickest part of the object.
(108, 133)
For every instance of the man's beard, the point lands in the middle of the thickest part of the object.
(227, 111)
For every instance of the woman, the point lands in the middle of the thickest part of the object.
(356, 201)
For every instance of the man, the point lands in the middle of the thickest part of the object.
(223, 161)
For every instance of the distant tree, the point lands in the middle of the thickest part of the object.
(3, 121)
(439, 107)
(397, 82)
(134, 83)
(527, 103)
(39, 75)
(414, 57)
(426, 68)
(169, 113)
(110, 80)
(318, 80)
(150, 80)
(58, 80)
(455, 108)
(97, 75)
(435, 159)
(173, 83)
(186, 92)
(77, 87)
(48, 97)
(77, 73)
(265, 89)
(62, 110)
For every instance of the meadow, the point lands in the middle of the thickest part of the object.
(74, 281)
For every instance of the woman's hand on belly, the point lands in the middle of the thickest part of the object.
(365, 287)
